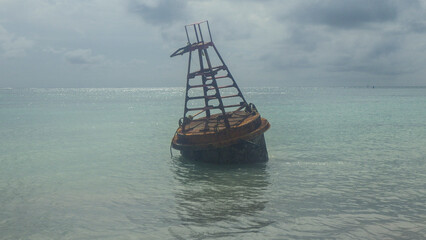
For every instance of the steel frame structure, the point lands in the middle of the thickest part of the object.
(210, 82)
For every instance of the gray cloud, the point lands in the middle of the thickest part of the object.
(292, 42)
(82, 57)
(383, 48)
(13, 46)
(162, 12)
(346, 14)
(417, 27)
(381, 40)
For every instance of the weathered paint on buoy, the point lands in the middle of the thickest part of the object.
(225, 129)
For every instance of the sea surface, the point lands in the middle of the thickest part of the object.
(345, 163)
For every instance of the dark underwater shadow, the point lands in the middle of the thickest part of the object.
(226, 199)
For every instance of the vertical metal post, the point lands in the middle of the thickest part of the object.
(196, 34)
(187, 35)
(210, 34)
(201, 33)
(185, 110)
(203, 80)
(214, 83)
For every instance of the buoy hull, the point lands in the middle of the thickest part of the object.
(244, 151)
(209, 140)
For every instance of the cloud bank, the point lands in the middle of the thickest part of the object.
(273, 42)
(83, 57)
(13, 46)
(159, 12)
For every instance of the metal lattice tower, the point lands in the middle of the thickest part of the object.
(210, 79)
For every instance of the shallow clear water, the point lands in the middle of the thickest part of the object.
(345, 163)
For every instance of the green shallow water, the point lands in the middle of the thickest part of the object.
(345, 163)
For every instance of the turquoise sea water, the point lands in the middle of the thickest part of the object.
(345, 163)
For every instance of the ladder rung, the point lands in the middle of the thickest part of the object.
(201, 97)
(235, 105)
(200, 45)
(206, 71)
(210, 73)
(230, 96)
(212, 107)
(227, 86)
(210, 78)
(198, 73)
(209, 108)
(194, 74)
(222, 67)
(211, 97)
(192, 47)
(201, 85)
(200, 108)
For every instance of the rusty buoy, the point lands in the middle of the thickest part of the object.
(224, 127)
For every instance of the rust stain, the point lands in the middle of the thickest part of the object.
(225, 124)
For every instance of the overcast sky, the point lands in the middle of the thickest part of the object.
(127, 43)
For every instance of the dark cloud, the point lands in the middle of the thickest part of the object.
(375, 68)
(346, 14)
(278, 62)
(315, 42)
(305, 38)
(417, 27)
(162, 13)
(82, 57)
(380, 42)
(380, 58)
(384, 48)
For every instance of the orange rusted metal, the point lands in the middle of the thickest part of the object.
(225, 127)
(243, 129)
